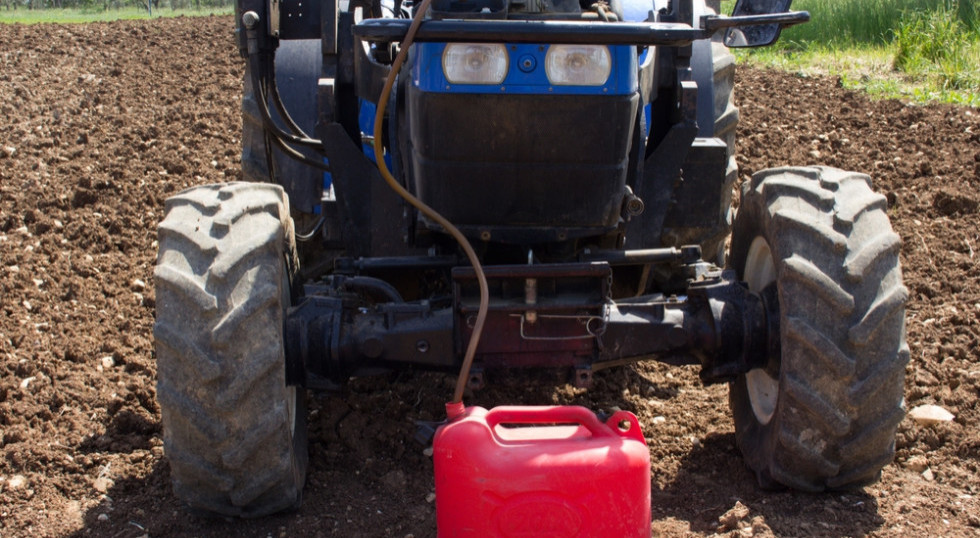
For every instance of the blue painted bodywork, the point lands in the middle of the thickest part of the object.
(522, 79)
(427, 73)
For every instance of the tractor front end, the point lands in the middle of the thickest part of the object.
(585, 151)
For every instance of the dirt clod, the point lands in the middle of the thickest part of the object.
(731, 519)
(918, 463)
(17, 481)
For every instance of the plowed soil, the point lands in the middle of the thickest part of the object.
(99, 123)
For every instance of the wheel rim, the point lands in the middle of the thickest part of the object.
(762, 388)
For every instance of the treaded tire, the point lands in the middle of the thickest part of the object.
(836, 395)
(233, 432)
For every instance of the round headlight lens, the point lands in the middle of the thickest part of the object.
(475, 63)
(578, 65)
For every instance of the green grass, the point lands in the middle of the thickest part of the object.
(922, 50)
(848, 22)
(82, 15)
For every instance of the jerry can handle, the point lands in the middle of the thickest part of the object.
(566, 414)
(632, 423)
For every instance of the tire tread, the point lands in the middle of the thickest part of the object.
(225, 253)
(842, 317)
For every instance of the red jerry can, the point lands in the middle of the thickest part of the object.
(541, 471)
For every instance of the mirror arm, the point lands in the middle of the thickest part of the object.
(714, 22)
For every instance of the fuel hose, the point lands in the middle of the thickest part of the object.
(481, 316)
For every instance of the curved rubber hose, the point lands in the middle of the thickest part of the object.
(376, 285)
(481, 316)
(270, 125)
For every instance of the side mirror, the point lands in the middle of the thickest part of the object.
(756, 35)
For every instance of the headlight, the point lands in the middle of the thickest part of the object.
(578, 65)
(475, 63)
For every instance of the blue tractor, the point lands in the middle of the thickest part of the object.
(479, 185)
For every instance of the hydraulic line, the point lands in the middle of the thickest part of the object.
(261, 82)
(481, 316)
(376, 285)
(293, 154)
(280, 107)
(303, 237)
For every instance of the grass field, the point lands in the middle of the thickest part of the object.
(70, 16)
(924, 50)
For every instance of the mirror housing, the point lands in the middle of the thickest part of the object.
(756, 35)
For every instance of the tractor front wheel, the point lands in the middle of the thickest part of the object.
(823, 414)
(233, 431)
